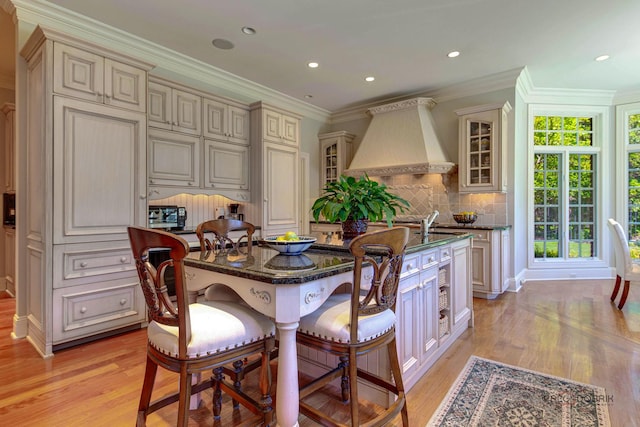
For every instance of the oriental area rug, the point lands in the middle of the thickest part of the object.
(488, 393)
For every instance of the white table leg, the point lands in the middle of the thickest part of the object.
(287, 393)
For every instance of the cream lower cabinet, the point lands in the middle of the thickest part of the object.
(417, 305)
(489, 260)
(433, 282)
(84, 182)
(10, 260)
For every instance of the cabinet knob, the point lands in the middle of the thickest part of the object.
(151, 181)
(190, 183)
(83, 310)
(123, 301)
(83, 264)
(123, 259)
(143, 196)
(432, 259)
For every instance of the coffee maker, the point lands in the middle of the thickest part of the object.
(233, 211)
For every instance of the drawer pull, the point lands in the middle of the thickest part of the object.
(83, 264)
(432, 259)
(83, 310)
(123, 259)
(123, 301)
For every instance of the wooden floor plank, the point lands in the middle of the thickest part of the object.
(566, 329)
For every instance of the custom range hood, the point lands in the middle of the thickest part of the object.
(400, 140)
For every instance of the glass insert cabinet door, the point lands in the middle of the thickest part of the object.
(335, 155)
(482, 130)
(479, 153)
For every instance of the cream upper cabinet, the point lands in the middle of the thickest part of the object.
(226, 166)
(225, 122)
(482, 134)
(9, 145)
(274, 172)
(174, 109)
(93, 77)
(335, 155)
(280, 127)
(173, 159)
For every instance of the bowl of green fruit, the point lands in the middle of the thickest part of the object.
(289, 243)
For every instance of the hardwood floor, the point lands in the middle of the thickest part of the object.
(567, 329)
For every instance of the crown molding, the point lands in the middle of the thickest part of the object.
(535, 95)
(504, 80)
(168, 63)
(627, 97)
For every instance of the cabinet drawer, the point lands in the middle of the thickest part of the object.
(96, 308)
(481, 236)
(445, 254)
(411, 265)
(76, 264)
(429, 259)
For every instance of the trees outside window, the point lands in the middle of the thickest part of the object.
(564, 187)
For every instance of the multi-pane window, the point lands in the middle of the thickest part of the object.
(633, 179)
(564, 187)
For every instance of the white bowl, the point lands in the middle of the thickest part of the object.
(289, 247)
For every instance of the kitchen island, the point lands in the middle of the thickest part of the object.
(434, 302)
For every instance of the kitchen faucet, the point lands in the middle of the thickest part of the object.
(426, 222)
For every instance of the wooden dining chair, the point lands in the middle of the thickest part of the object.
(191, 338)
(220, 229)
(630, 271)
(351, 324)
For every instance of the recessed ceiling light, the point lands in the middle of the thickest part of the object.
(222, 44)
(313, 65)
(369, 79)
(248, 30)
(602, 58)
(453, 54)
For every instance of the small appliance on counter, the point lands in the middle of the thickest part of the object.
(9, 210)
(234, 212)
(167, 217)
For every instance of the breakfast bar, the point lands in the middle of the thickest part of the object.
(288, 287)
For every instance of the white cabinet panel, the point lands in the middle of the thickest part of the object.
(281, 188)
(100, 159)
(174, 159)
(174, 109)
(226, 165)
(225, 122)
(85, 310)
(81, 263)
(86, 75)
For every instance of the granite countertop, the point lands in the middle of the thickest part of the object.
(472, 226)
(323, 259)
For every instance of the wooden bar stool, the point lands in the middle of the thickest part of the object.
(351, 324)
(192, 338)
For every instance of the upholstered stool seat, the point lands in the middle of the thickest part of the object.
(216, 326)
(332, 321)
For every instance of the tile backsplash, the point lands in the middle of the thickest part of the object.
(429, 192)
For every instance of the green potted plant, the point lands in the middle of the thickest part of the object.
(356, 201)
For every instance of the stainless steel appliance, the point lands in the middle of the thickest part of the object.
(182, 217)
(9, 209)
(165, 217)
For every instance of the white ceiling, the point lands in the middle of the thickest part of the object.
(403, 43)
